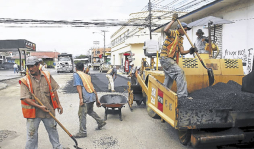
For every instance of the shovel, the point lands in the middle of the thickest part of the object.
(209, 70)
(76, 143)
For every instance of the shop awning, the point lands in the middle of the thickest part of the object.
(14, 45)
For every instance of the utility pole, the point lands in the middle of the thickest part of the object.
(104, 46)
(150, 18)
(104, 31)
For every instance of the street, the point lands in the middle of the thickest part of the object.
(137, 130)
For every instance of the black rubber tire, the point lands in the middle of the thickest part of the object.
(184, 136)
(150, 112)
(139, 102)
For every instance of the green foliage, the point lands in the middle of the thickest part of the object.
(81, 56)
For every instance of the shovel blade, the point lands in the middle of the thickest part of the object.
(210, 76)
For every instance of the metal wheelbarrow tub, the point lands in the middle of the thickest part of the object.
(111, 102)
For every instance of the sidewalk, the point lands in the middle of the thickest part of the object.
(7, 75)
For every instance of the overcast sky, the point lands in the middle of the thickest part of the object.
(67, 39)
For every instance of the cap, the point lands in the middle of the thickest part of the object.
(184, 25)
(32, 60)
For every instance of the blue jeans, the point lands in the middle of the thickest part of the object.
(15, 70)
(174, 72)
(32, 125)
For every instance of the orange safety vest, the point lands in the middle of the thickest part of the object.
(86, 79)
(172, 51)
(28, 110)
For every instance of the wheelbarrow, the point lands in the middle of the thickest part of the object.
(113, 104)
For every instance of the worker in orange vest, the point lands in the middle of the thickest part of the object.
(169, 57)
(87, 97)
(44, 87)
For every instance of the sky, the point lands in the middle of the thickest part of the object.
(66, 39)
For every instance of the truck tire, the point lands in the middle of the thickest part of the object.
(150, 112)
(184, 136)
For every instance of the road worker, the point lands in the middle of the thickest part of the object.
(87, 96)
(169, 56)
(44, 87)
(111, 75)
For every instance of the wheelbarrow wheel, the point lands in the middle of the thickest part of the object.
(184, 136)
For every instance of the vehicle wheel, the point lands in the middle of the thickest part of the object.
(57, 71)
(150, 112)
(71, 71)
(184, 136)
(139, 102)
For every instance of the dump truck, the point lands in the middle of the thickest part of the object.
(65, 63)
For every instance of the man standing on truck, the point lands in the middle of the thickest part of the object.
(45, 88)
(169, 56)
(87, 96)
(111, 75)
(201, 41)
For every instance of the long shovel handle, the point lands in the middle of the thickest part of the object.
(209, 70)
(200, 59)
(76, 143)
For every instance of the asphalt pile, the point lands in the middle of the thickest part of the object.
(219, 96)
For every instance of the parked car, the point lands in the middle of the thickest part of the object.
(7, 65)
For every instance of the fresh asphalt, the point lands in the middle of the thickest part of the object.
(137, 130)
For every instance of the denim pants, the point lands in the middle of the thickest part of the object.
(174, 72)
(87, 108)
(32, 125)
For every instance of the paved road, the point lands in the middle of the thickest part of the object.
(137, 130)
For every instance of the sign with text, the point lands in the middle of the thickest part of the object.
(246, 55)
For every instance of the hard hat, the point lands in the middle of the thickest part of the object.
(184, 25)
(32, 60)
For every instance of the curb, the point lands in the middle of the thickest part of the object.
(3, 86)
(10, 78)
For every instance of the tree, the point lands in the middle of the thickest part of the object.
(81, 56)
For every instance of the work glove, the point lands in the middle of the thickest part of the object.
(205, 39)
(192, 50)
(174, 17)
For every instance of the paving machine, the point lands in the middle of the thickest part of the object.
(226, 119)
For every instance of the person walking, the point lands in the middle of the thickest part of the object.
(87, 69)
(169, 56)
(87, 97)
(132, 74)
(15, 66)
(201, 42)
(44, 87)
(112, 73)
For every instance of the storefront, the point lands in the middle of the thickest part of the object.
(21, 45)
